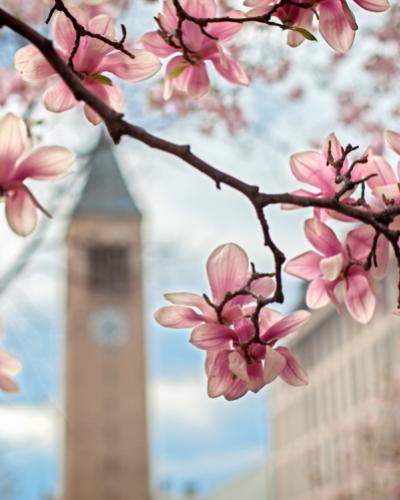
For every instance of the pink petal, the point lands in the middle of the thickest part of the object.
(233, 313)
(244, 329)
(230, 69)
(238, 366)
(306, 265)
(286, 325)
(168, 18)
(21, 211)
(310, 167)
(257, 352)
(373, 5)
(236, 390)
(331, 267)
(382, 257)
(322, 237)
(388, 192)
(59, 97)
(293, 373)
(359, 241)
(220, 377)
(255, 377)
(92, 50)
(274, 364)
(359, 298)
(142, 67)
(335, 147)
(317, 295)
(337, 24)
(47, 162)
(393, 140)
(227, 270)
(13, 142)
(177, 317)
(212, 336)
(63, 30)
(268, 317)
(193, 80)
(263, 286)
(102, 24)
(384, 172)
(176, 64)
(32, 65)
(326, 215)
(304, 20)
(225, 31)
(154, 43)
(110, 94)
(200, 8)
(196, 41)
(190, 300)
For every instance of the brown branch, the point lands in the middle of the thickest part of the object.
(183, 16)
(263, 18)
(81, 32)
(118, 127)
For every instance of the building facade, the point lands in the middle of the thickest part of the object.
(106, 450)
(316, 430)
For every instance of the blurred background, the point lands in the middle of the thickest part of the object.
(201, 448)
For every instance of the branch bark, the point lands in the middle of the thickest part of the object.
(118, 127)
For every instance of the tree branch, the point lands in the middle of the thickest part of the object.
(118, 127)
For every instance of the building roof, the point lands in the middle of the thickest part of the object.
(105, 192)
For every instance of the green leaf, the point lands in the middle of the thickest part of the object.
(307, 35)
(176, 72)
(101, 79)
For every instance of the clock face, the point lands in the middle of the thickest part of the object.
(109, 327)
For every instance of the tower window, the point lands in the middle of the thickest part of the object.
(109, 268)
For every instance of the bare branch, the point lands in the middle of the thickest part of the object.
(118, 127)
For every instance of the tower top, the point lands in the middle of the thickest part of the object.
(105, 192)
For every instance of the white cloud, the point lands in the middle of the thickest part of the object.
(29, 425)
(182, 403)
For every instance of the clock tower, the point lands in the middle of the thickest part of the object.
(106, 453)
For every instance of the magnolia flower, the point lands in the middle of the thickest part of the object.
(311, 168)
(334, 263)
(187, 72)
(237, 361)
(234, 365)
(18, 164)
(9, 367)
(228, 271)
(92, 59)
(337, 23)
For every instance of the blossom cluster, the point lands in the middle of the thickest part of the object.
(241, 355)
(363, 256)
(336, 21)
(92, 59)
(236, 327)
(187, 43)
